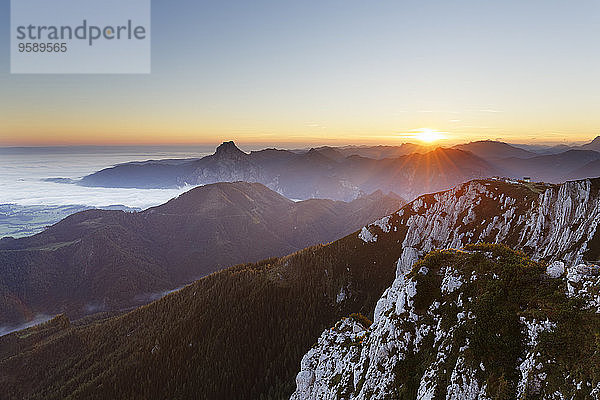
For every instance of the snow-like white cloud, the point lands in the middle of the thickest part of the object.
(22, 179)
(39, 319)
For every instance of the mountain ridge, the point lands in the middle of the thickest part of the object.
(593, 145)
(273, 311)
(544, 168)
(318, 173)
(491, 150)
(101, 260)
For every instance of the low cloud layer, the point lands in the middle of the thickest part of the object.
(24, 179)
(39, 319)
(149, 297)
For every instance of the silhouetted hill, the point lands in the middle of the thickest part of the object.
(548, 168)
(417, 173)
(589, 170)
(542, 149)
(333, 153)
(105, 260)
(381, 152)
(492, 150)
(593, 145)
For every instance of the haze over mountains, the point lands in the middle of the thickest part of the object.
(593, 145)
(241, 333)
(491, 150)
(101, 260)
(379, 152)
(343, 173)
(318, 173)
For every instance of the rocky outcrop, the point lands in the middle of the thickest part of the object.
(421, 342)
(548, 222)
(425, 342)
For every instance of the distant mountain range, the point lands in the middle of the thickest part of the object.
(491, 150)
(480, 320)
(555, 168)
(379, 152)
(570, 163)
(344, 173)
(318, 173)
(589, 170)
(593, 145)
(100, 260)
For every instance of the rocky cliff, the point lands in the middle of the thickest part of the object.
(477, 324)
(547, 221)
(486, 323)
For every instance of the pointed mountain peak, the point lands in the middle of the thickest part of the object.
(593, 145)
(229, 149)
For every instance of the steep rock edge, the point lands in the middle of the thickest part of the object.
(546, 221)
(486, 323)
(549, 222)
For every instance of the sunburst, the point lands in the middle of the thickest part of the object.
(428, 135)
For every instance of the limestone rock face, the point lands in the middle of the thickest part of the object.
(433, 329)
(425, 344)
(555, 222)
(556, 269)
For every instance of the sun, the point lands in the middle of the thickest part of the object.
(428, 135)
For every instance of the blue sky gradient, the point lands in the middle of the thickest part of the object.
(329, 72)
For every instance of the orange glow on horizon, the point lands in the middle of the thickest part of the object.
(132, 133)
(426, 135)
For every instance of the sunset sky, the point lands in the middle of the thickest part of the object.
(329, 72)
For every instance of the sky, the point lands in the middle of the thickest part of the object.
(328, 72)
